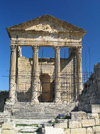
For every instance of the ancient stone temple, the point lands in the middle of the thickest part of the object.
(39, 80)
(45, 94)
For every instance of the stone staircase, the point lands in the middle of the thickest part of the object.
(27, 129)
(33, 126)
(38, 111)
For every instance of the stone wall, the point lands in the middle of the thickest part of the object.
(46, 67)
(80, 123)
(67, 76)
(91, 92)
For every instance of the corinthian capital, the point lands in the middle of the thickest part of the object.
(35, 49)
(79, 50)
(13, 47)
(57, 49)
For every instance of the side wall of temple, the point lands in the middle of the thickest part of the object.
(91, 92)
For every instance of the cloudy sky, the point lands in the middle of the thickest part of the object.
(82, 13)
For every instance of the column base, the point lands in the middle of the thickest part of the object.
(11, 102)
(58, 101)
(35, 101)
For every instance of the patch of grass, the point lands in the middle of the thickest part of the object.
(24, 125)
(65, 129)
(65, 117)
(54, 122)
(7, 99)
(26, 131)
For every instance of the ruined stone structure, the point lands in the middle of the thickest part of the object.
(91, 91)
(60, 80)
(45, 92)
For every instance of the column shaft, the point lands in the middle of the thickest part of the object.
(79, 71)
(57, 75)
(12, 79)
(35, 76)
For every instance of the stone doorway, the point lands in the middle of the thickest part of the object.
(46, 89)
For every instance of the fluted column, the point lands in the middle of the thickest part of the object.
(79, 71)
(57, 75)
(12, 79)
(35, 76)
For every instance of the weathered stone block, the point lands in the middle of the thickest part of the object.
(62, 120)
(78, 115)
(7, 126)
(96, 129)
(78, 131)
(88, 123)
(67, 131)
(8, 132)
(93, 115)
(95, 108)
(89, 130)
(51, 130)
(97, 122)
(60, 125)
(74, 124)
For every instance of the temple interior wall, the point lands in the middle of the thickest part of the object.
(46, 79)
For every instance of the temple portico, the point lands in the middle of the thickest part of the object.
(46, 31)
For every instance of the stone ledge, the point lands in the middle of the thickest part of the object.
(61, 125)
(88, 123)
(78, 115)
(74, 124)
(78, 131)
(95, 108)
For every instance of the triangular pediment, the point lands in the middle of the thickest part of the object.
(46, 23)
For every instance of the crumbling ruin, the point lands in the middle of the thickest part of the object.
(46, 94)
(60, 80)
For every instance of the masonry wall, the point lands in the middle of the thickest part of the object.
(24, 79)
(46, 70)
(83, 124)
(91, 92)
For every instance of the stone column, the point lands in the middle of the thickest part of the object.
(79, 71)
(12, 79)
(19, 51)
(57, 75)
(35, 76)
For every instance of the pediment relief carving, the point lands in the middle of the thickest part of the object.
(48, 27)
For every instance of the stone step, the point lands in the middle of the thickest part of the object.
(25, 110)
(43, 107)
(29, 133)
(32, 121)
(48, 111)
(32, 113)
(26, 128)
(34, 117)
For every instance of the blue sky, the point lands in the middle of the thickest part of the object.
(82, 13)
